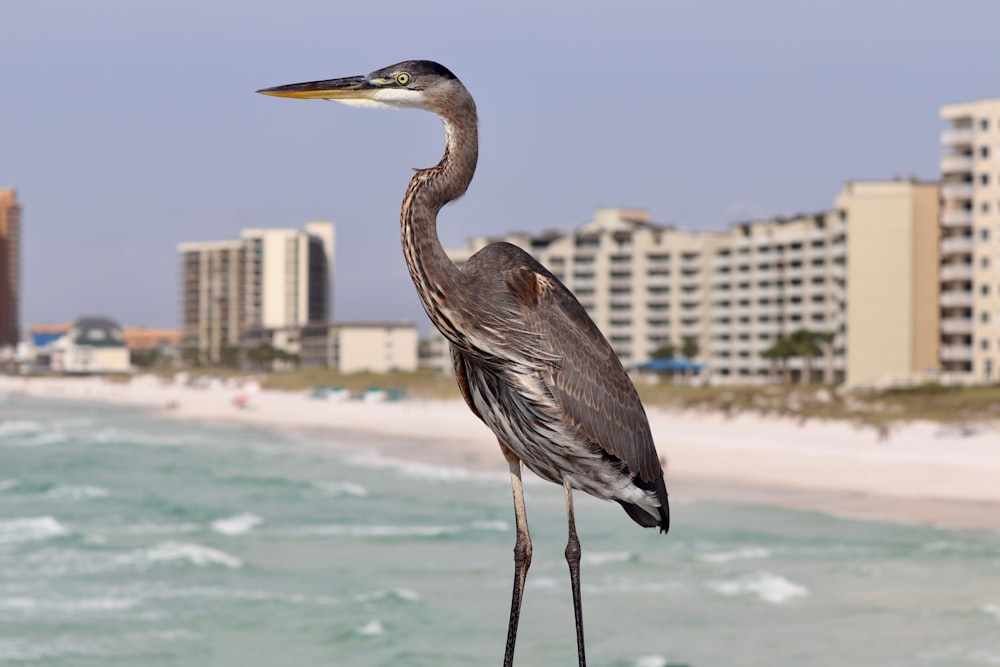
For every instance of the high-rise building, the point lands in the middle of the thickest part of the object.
(10, 267)
(970, 241)
(892, 315)
(213, 297)
(288, 275)
(269, 278)
(733, 294)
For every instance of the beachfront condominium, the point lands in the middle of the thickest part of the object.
(731, 295)
(892, 287)
(10, 267)
(970, 241)
(269, 278)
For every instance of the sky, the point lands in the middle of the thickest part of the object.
(129, 127)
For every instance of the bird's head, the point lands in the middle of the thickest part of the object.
(417, 84)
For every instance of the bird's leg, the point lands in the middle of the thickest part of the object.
(573, 558)
(522, 553)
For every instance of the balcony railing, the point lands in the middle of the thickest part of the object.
(958, 217)
(956, 325)
(951, 245)
(956, 163)
(956, 299)
(956, 353)
(954, 136)
(958, 191)
(956, 272)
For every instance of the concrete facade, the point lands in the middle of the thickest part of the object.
(347, 347)
(734, 293)
(92, 345)
(269, 278)
(892, 281)
(10, 268)
(970, 241)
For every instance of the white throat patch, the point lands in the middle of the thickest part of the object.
(388, 98)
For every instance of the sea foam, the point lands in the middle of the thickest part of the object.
(607, 557)
(651, 661)
(66, 606)
(77, 492)
(372, 628)
(769, 587)
(30, 529)
(345, 530)
(19, 427)
(196, 554)
(237, 525)
(24, 433)
(745, 553)
(406, 594)
(336, 489)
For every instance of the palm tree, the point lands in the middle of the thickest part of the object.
(690, 349)
(665, 351)
(825, 340)
(805, 344)
(779, 353)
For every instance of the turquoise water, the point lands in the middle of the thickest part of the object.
(130, 540)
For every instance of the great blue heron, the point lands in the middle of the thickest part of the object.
(529, 361)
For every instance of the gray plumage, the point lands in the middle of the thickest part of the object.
(529, 361)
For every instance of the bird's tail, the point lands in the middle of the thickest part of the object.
(642, 515)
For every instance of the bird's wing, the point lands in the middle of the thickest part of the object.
(585, 376)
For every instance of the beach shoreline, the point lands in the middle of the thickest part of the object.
(916, 473)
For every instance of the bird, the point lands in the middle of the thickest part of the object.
(529, 361)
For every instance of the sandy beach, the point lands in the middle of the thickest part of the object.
(920, 472)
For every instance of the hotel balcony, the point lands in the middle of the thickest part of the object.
(722, 278)
(956, 217)
(957, 245)
(659, 280)
(956, 353)
(627, 283)
(721, 260)
(620, 331)
(956, 163)
(956, 299)
(957, 325)
(958, 136)
(958, 191)
(621, 299)
(956, 272)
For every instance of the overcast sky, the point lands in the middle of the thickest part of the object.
(128, 127)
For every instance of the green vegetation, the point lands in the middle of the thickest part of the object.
(952, 405)
(420, 384)
(932, 402)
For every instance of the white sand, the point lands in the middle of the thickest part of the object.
(922, 472)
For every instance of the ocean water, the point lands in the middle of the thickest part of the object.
(129, 540)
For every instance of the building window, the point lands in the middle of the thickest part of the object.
(984, 152)
(984, 234)
(984, 262)
(984, 207)
(984, 344)
(984, 289)
(984, 179)
(984, 317)
(984, 124)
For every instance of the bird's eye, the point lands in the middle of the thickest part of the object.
(403, 78)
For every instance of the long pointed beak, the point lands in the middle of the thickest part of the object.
(348, 88)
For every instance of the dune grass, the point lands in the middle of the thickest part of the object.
(933, 402)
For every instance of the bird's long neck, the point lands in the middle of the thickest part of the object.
(435, 276)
